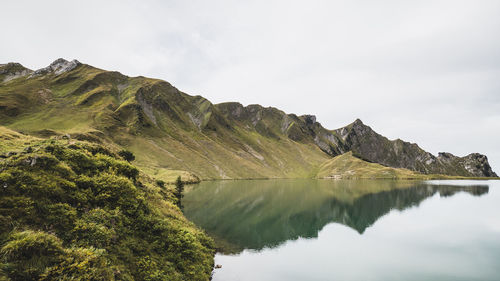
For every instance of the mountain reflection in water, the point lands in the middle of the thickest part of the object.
(255, 214)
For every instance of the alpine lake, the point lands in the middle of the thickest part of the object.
(350, 229)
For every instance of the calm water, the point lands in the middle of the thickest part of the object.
(350, 230)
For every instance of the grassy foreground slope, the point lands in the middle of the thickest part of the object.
(72, 210)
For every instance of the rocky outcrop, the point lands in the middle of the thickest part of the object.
(272, 122)
(475, 164)
(58, 67)
(13, 70)
(373, 147)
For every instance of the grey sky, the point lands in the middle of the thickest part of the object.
(423, 71)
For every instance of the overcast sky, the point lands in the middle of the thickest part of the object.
(423, 71)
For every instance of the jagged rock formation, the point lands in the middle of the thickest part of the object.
(274, 123)
(373, 147)
(169, 129)
(58, 67)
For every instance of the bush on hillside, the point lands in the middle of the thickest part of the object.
(127, 155)
(79, 212)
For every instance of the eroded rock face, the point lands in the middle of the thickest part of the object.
(477, 164)
(13, 70)
(373, 147)
(58, 67)
(357, 137)
(309, 119)
(272, 122)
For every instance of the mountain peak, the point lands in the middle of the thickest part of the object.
(11, 67)
(358, 122)
(58, 62)
(59, 66)
(13, 70)
(359, 128)
(309, 119)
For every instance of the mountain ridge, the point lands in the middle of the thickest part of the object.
(170, 130)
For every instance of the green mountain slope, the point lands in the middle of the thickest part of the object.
(164, 127)
(170, 131)
(72, 210)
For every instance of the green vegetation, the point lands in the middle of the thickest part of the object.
(179, 189)
(127, 155)
(72, 210)
(170, 133)
(347, 166)
(93, 165)
(170, 176)
(167, 133)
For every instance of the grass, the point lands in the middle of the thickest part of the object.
(12, 141)
(73, 210)
(170, 176)
(346, 166)
(89, 100)
(171, 133)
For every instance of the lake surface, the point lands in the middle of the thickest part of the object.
(350, 230)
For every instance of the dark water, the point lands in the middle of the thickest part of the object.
(350, 230)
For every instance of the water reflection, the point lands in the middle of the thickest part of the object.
(257, 214)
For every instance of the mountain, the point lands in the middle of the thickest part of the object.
(373, 147)
(173, 133)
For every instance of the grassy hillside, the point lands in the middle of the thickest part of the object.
(72, 210)
(169, 131)
(347, 166)
(173, 133)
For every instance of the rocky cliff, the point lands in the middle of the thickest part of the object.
(373, 147)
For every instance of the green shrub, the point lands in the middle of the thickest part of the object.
(28, 253)
(149, 270)
(179, 189)
(89, 215)
(127, 155)
(160, 183)
(81, 264)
